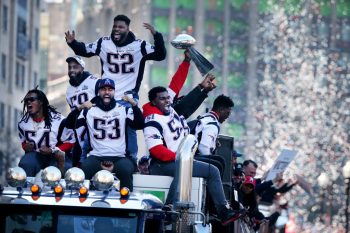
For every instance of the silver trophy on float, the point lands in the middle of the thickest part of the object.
(184, 41)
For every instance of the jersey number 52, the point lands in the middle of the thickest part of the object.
(120, 62)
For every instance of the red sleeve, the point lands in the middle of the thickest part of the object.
(162, 153)
(179, 78)
(23, 143)
(66, 147)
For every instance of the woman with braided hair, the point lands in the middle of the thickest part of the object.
(42, 132)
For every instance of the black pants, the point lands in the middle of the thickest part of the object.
(123, 168)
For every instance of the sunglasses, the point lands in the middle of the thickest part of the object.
(30, 99)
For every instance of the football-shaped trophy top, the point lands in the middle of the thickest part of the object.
(183, 41)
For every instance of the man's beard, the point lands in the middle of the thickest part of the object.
(76, 80)
(121, 39)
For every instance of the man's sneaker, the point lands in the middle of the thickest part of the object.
(229, 215)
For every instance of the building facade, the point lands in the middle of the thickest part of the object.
(19, 70)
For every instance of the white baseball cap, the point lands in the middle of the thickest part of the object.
(77, 59)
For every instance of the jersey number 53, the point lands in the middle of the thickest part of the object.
(104, 129)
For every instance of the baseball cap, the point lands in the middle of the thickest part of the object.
(144, 159)
(106, 82)
(77, 59)
(249, 181)
(236, 154)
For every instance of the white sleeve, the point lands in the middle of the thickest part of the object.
(67, 136)
(207, 144)
(20, 134)
(130, 113)
(91, 47)
(149, 48)
(152, 135)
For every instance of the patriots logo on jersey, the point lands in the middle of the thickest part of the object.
(115, 114)
(154, 136)
(85, 87)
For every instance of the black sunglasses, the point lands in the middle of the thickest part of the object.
(30, 99)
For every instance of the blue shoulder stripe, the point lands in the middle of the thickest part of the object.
(155, 125)
(216, 124)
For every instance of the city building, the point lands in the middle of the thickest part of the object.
(19, 70)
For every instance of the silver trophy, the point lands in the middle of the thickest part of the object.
(184, 41)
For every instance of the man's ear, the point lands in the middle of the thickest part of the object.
(153, 103)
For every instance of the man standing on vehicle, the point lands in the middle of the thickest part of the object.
(123, 59)
(81, 88)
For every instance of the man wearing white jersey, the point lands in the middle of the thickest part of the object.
(82, 83)
(43, 135)
(122, 56)
(106, 121)
(164, 130)
(81, 89)
(208, 128)
(123, 59)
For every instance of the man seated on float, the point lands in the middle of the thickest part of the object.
(42, 132)
(164, 131)
(106, 121)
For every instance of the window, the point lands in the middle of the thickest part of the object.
(2, 115)
(22, 40)
(23, 71)
(22, 4)
(3, 67)
(36, 40)
(35, 79)
(20, 72)
(21, 26)
(16, 118)
(4, 18)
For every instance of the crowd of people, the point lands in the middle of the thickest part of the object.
(302, 103)
(100, 131)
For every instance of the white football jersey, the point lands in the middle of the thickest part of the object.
(36, 133)
(167, 130)
(76, 96)
(85, 91)
(206, 132)
(106, 130)
(125, 65)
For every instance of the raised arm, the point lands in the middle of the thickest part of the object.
(137, 121)
(159, 52)
(190, 103)
(80, 48)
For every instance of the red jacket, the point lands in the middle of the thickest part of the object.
(161, 152)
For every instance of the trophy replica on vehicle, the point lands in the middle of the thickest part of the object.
(184, 41)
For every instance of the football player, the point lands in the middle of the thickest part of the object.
(81, 88)
(123, 60)
(207, 130)
(42, 132)
(164, 130)
(122, 55)
(106, 121)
